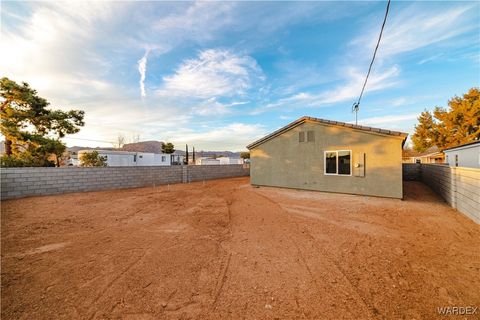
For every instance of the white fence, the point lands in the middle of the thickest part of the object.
(460, 187)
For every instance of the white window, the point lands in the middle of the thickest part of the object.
(338, 162)
(163, 158)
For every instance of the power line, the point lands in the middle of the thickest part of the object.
(88, 140)
(356, 105)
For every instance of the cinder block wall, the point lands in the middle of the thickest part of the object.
(412, 171)
(23, 182)
(460, 187)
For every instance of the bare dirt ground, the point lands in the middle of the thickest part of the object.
(226, 250)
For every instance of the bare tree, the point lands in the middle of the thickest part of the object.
(120, 142)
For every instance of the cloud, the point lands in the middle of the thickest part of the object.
(211, 107)
(234, 136)
(142, 69)
(214, 73)
(199, 22)
(349, 90)
(416, 27)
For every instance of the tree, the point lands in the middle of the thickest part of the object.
(31, 130)
(120, 142)
(92, 159)
(461, 122)
(168, 147)
(245, 155)
(458, 124)
(425, 132)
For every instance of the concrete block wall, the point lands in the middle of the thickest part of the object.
(459, 186)
(412, 171)
(199, 173)
(23, 182)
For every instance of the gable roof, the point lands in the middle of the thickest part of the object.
(330, 123)
(463, 145)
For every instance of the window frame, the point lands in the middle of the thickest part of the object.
(336, 157)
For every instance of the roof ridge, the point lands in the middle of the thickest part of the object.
(302, 119)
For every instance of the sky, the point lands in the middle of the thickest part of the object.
(219, 75)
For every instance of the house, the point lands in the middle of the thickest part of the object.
(324, 155)
(431, 155)
(207, 161)
(72, 159)
(128, 158)
(229, 160)
(464, 155)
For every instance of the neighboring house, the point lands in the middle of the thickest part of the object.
(432, 155)
(127, 158)
(206, 161)
(464, 155)
(72, 159)
(175, 158)
(323, 155)
(229, 160)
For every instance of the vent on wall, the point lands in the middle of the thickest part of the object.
(310, 136)
(301, 136)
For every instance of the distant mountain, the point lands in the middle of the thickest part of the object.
(77, 148)
(144, 146)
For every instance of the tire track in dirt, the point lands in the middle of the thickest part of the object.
(221, 279)
(373, 312)
(113, 281)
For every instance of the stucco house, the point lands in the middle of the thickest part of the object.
(432, 155)
(464, 155)
(332, 156)
(117, 158)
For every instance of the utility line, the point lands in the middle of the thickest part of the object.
(356, 105)
(88, 140)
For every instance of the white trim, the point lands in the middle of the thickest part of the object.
(336, 174)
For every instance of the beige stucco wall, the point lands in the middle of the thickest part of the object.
(285, 162)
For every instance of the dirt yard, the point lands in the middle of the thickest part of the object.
(226, 250)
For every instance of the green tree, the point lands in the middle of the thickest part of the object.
(245, 155)
(425, 132)
(92, 159)
(458, 124)
(31, 130)
(168, 147)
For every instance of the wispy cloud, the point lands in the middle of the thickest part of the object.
(198, 22)
(142, 69)
(347, 91)
(214, 73)
(414, 27)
